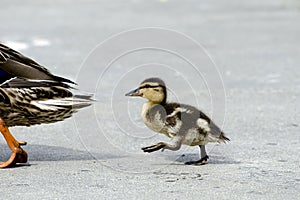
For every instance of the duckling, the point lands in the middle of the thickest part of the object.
(184, 124)
(29, 95)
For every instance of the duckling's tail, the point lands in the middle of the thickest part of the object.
(223, 138)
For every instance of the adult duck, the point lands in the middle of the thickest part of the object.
(30, 95)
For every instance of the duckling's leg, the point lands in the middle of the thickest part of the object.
(18, 154)
(204, 157)
(162, 145)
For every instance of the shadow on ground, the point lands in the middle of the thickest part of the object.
(58, 153)
(55, 153)
(213, 159)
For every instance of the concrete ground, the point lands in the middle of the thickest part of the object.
(244, 73)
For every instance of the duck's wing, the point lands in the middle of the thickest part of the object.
(25, 83)
(14, 64)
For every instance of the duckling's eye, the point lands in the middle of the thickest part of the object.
(157, 90)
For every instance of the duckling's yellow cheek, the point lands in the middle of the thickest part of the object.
(149, 96)
(157, 97)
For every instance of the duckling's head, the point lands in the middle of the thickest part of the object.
(153, 89)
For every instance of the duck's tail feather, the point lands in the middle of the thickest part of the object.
(76, 101)
(73, 102)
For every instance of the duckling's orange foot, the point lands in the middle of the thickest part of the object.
(18, 155)
(202, 161)
(155, 147)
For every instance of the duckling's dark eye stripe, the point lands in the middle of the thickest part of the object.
(150, 86)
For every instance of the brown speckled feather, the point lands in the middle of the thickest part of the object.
(30, 94)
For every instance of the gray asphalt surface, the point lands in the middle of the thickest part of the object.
(96, 154)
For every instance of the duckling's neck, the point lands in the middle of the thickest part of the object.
(147, 106)
(154, 125)
(145, 110)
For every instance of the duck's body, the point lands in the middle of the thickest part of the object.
(36, 105)
(185, 124)
(30, 95)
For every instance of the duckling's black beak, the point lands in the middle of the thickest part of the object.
(134, 93)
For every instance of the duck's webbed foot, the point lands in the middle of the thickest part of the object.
(154, 147)
(202, 161)
(18, 155)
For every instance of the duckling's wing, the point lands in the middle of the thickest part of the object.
(14, 64)
(191, 117)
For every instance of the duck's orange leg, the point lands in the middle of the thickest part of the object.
(18, 154)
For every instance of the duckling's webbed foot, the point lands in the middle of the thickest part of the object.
(154, 147)
(202, 161)
(162, 146)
